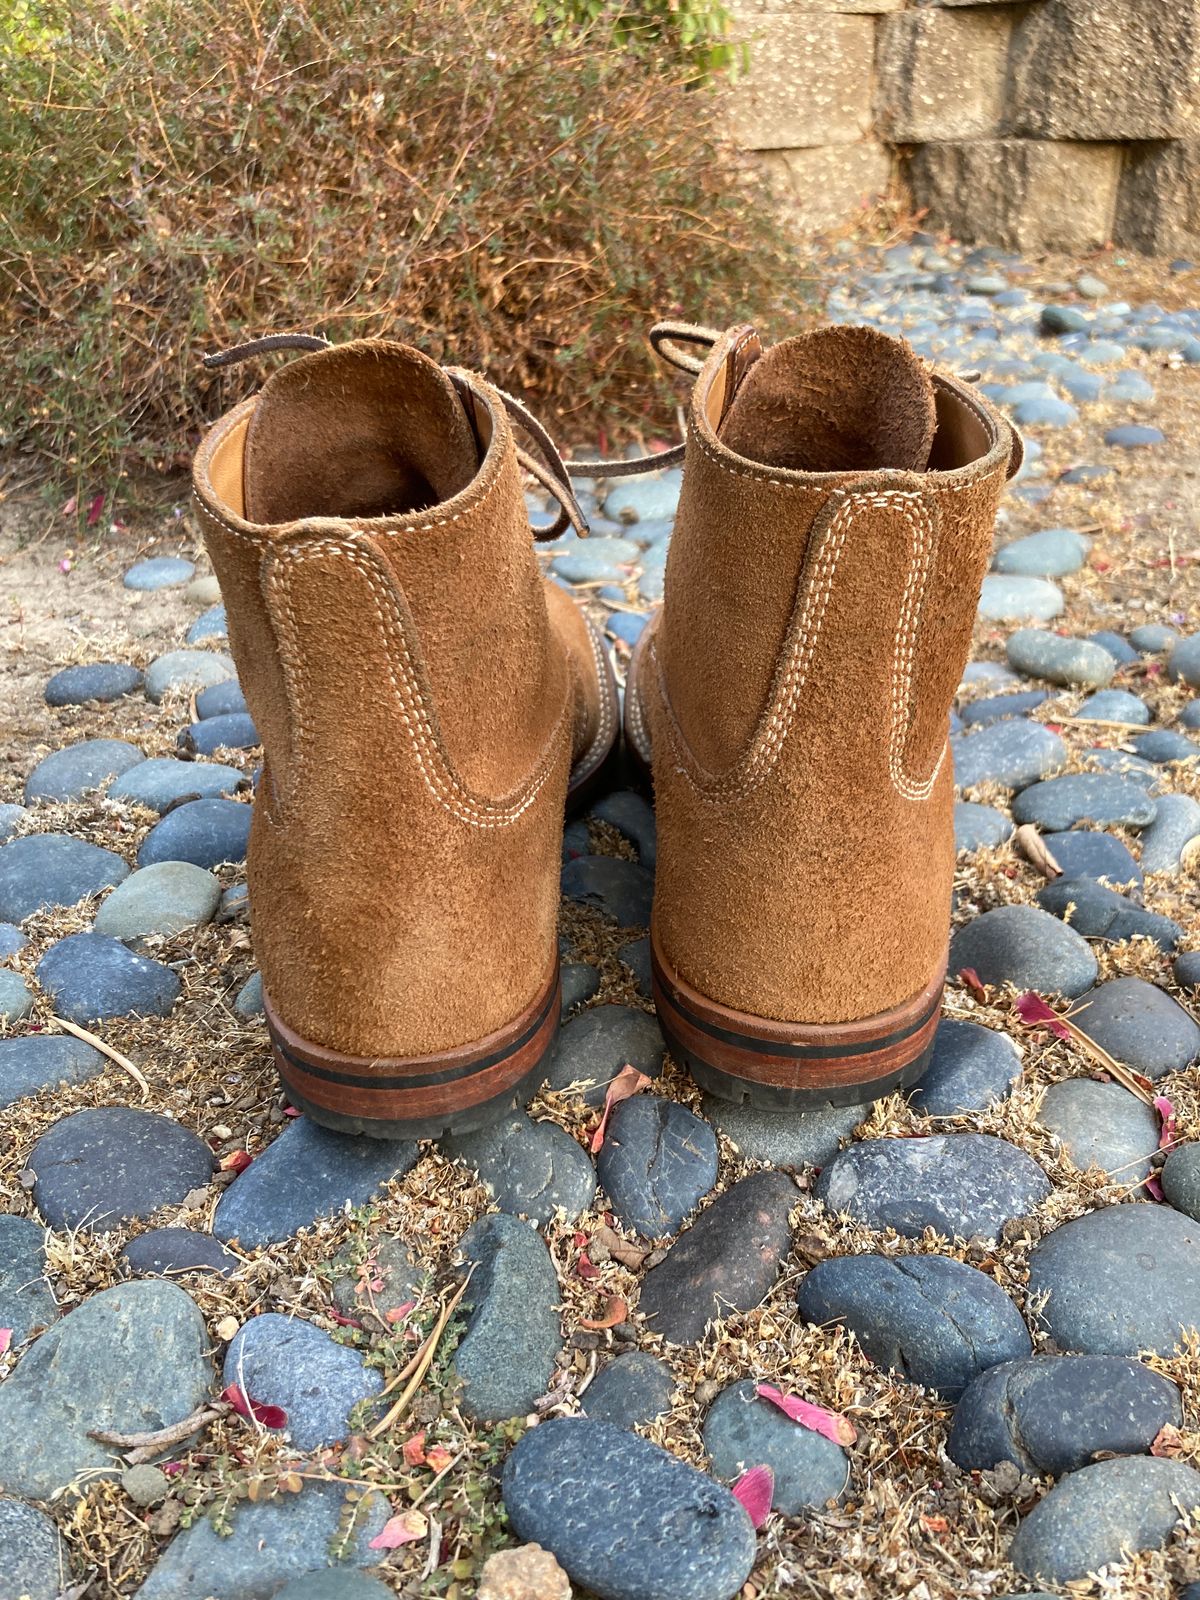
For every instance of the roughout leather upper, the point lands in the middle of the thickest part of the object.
(419, 694)
(798, 682)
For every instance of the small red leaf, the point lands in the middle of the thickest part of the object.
(438, 1457)
(95, 506)
(627, 1082)
(400, 1530)
(1035, 1013)
(756, 1489)
(5, 1341)
(413, 1450)
(236, 1161)
(1154, 1188)
(398, 1313)
(254, 1410)
(972, 980)
(344, 1322)
(615, 1312)
(1166, 1111)
(840, 1429)
(585, 1268)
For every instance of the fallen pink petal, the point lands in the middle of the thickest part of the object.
(828, 1423)
(1035, 1013)
(756, 1489)
(400, 1530)
(1166, 1112)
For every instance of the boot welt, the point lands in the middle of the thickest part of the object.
(420, 1097)
(744, 1058)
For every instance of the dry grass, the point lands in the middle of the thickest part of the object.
(187, 173)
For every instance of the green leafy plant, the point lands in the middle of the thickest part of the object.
(696, 31)
(181, 174)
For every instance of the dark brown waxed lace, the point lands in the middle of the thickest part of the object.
(552, 472)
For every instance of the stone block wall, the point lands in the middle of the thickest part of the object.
(1058, 124)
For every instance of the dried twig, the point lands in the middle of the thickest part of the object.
(98, 1043)
(1101, 722)
(1133, 1081)
(144, 1446)
(420, 1363)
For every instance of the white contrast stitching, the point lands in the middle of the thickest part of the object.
(920, 525)
(255, 534)
(605, 724)
(775, 724)
(804, 631)
(442, 782)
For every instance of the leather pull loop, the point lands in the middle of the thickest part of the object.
(665, 336)
(264, 346)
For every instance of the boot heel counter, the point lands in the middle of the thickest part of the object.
(819, 862)
(377, 902)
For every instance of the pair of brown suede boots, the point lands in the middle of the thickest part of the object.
(429, 705)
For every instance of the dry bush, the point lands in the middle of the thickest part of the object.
(179, 174)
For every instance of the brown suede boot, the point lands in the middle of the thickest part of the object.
(833, 532)
(425, 701)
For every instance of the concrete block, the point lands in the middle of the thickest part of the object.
(1106, 69)
(1021, 194)
(869, 8)
(809, 81)
(818, 190)
(941, 74)
(1158, 202)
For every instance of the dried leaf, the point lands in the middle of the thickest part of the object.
(585, 1268)
(1033, 847)
(616, 1312)
(438, 1457)
(934, 1524)
(292, 1482)
(621, 1250)
(827, 1423)
(1035, 1013)
(254, 1410)
(756, 1489)
(1166, 1112)
(398, 1313)
(403, 1529)
(1154, 1188)
(95, 506)
(1168, 1442)
(413, 1450)
(974, 984)
(236, 1161)
(627, 1082)
(343, 1321)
